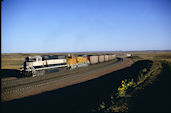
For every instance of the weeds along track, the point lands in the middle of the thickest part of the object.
(152, 74)
(19, 87)
(29, 80)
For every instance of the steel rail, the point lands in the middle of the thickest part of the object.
(27, 80)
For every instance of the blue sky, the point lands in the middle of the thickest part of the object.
(85, 25)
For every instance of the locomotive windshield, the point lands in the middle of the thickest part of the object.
(30, 59)
(69, 57)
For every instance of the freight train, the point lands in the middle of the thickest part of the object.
(39, 65)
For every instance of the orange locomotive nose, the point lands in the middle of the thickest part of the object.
(71, 60)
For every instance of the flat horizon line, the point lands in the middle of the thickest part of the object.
(91, 51)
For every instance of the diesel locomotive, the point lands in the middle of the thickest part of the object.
(39, 65)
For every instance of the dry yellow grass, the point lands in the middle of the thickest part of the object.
(153, 56)
(13, 61)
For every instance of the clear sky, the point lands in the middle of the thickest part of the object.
(85, 25)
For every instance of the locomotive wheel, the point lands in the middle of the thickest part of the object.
(43, 72)
(34, 73)
(27, 74)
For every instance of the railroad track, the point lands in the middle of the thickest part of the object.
(19, 86)
(29, 80)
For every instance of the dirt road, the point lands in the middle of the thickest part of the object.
(19, 88)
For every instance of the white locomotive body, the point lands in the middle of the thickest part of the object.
(37, 65)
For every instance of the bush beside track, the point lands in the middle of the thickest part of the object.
(148, 92)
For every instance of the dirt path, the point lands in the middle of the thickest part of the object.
(71, 79)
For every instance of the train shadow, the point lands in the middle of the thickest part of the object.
(82, 97)
(10, 73)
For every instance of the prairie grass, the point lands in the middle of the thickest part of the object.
(152, 56)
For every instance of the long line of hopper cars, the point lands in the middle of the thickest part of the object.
(39, 65)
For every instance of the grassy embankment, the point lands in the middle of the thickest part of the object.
(120, 100)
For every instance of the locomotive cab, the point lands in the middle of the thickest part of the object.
(71, 61)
